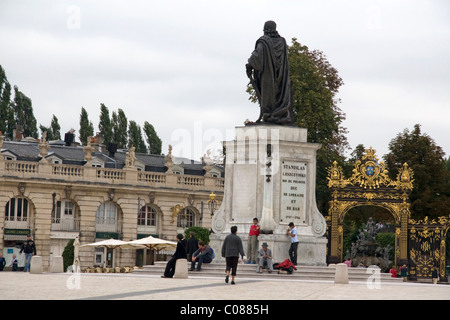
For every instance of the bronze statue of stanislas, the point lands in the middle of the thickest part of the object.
(268, 70)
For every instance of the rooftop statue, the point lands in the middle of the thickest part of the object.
(268, 71)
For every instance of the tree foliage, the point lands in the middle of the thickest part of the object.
(202, 234)
(86, 127)
(54, 131)
(6, 110)
(135, 137)
(105, 126)
(68, 254)
(431, 193)
(119, 123)
(23, 113)
(154, 142)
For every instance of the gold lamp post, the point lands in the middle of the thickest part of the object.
(212, 203)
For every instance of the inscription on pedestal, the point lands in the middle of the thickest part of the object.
(293, 192)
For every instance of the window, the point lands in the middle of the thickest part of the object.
(107, 213)
(17, 209)
(147, 216)
(187, 216)
(65, 207)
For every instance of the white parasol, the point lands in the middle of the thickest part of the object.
(154, 243)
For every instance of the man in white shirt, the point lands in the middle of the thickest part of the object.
(292, 232)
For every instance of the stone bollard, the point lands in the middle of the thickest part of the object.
(56, 264)
(181, 270)
(36, 264)
(341, 274)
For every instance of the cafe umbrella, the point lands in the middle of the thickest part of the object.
(154, 244)
(112, 244)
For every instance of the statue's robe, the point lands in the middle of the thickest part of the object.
(271, 78)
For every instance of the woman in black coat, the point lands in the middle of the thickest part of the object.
(180, 253)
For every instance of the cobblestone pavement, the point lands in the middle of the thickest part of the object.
(64, 286)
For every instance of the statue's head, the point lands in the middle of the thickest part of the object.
(270, 26)
(270, 29)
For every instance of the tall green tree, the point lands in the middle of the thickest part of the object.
(23, 111)
(315, 85)
(153, 140)
(86, 127)
(431, 193)
(53, 132)
(105, 126)
(135, 137)
(56, 128)
(6, 111)
(119, 124)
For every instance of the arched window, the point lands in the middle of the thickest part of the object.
(147, 216)
(186, 218)
(106, 213)
(17, 209)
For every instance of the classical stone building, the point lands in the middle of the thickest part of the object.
(57, 191)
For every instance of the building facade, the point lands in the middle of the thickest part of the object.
(57, 191)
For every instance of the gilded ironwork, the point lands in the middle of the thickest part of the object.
(427, 246)
(420, 244)
(369, 185)
(368, 173)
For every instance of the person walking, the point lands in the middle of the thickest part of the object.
(231, 249)
(292, 232)
(180, 253)
(29, 248)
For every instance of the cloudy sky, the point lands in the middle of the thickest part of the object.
(180, 65)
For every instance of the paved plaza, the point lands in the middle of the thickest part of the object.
(64, 286)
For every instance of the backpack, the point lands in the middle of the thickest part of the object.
(212, 253)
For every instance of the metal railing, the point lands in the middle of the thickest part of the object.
(64, 224)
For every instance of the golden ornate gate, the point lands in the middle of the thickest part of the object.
(427, 247)
(369, 185)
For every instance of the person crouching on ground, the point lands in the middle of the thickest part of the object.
(202, 255)
(180, 253)
(264, 256)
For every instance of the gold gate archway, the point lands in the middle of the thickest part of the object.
(369, 185)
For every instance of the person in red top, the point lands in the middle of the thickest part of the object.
(252, 244)
(393, 271)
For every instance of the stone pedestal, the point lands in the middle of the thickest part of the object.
(36, 264)
(341, 274)
(181, 269)
(56, 264)
(270, 173)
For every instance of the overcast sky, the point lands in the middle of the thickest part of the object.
(180, 65)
